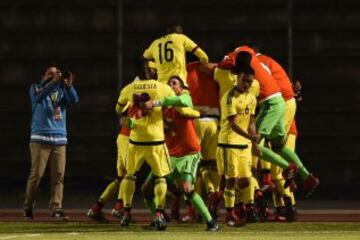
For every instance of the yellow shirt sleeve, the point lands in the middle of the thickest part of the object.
(124, 99)
(253, 105)
(148, 53)
(189, 44)
(255, 88)
(229, 105)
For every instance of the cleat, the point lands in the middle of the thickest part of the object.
(289, 174)
(251, 214)
(159, 221)
(117, 211)
(28, 214)
(125, 219)
(190, 215)
(212, 226)
(58, 214)
(262, 206)
(279, 215)
(233, 221)
(186, 219)
(96, 216)
(290, 210)
(267, 183)
(239, 210)
(310, 184)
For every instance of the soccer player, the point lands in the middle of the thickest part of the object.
(226, 80)
(146, 140)
(114, 189)
(168, 53)
(237, 131)
(205, 95)
(184, 149)
(279, 74)
(270, 120)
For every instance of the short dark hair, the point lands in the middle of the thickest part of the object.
(248, 70)
(139, 66)
(174, 27)
(242, 63)
(180, 80)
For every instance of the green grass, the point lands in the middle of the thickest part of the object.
(270, 231)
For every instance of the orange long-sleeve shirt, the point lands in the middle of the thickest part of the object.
(279, 74)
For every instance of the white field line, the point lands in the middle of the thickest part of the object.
(18, 236)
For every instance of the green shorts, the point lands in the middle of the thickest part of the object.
(185, 167)
(270, 120)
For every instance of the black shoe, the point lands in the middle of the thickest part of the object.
(212, 226)
(125, 219)
(96, 216)
(251, 214)
(28, 214)
(159, 221)
(291, 213)
(59, 214)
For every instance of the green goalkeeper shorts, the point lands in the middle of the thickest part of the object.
(185, 167)
(270, 120)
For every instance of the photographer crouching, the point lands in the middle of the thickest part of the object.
(50, 98)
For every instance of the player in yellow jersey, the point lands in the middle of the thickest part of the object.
(226, 79)
(113, 189)
(237, 131)
(146, 140)
(169, 51)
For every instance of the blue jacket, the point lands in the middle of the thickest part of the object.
(49, 101)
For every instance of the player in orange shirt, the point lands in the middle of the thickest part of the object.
(270, 120)
(205, 94)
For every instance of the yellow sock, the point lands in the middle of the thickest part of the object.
(207, 180)
(160, 193)
(128, 188)
(292, 196)
(248, 193)
(121, 191)
(215, 178)
(110, 192)
(279, 193)
(278, 201)
(255, 183)
(229, 198)
(265, 165)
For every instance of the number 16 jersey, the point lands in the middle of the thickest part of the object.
(168, 53)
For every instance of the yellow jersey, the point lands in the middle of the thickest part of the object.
(168, 53)
(149, 128)
(242, 105)
(227, 80)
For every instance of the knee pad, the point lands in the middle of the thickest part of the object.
(243, 183)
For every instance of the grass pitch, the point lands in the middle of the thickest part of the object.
(270, 231)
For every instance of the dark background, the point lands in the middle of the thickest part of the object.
(98, 41)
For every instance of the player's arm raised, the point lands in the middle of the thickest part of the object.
(191, 46)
